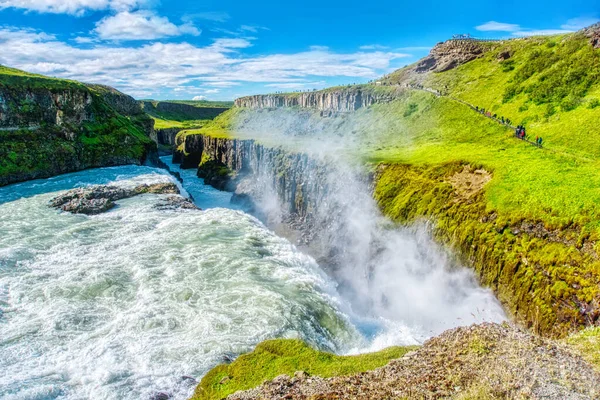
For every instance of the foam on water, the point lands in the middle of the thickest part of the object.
(128, 303)
(124, 304)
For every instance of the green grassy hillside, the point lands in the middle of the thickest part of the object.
(532, 232)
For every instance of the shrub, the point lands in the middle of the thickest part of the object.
(411, 109)
(593, 103)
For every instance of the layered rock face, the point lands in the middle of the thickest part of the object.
(342, 100)
(255, 169)
(33, 107)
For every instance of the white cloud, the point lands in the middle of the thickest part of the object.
(141, 25)
(493, 26)
(84, 40)
(374, 47)
(162, 67)
(516, 30)
(575, 24)
(74, 7)
(212, 91)
(198, 98)
(541, 32)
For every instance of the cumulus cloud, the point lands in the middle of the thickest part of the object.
(141, 25)
(493, 26)
(158, 67)
(373, 47)
(74, 7)
(198, 98)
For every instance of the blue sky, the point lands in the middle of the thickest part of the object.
(221, 50)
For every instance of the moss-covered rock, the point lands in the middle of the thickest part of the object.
(547, 278)
(285, 356)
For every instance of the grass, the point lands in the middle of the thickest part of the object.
(587, 343)
(160, 123)
(286, 356)
(189, 113)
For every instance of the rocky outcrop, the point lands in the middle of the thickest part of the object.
(450, 54)
(292, 176)
(32, 107)
(593, 33)
(260, 175)
(98, 199)
(333, 100)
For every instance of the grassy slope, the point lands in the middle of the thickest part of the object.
(285, 356)
(111, 138)
(167, 120)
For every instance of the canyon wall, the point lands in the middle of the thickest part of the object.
(50, 126)
(332, 100)
(251, 169)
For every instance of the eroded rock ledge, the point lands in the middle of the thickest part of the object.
(101, 198)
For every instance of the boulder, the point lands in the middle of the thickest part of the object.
(98, 199)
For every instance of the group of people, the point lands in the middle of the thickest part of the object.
(521, 133)
(488, 114)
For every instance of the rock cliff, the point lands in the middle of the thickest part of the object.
(333, 100)
(450, 54)
(50, 126)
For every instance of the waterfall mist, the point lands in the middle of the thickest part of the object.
(400, 286)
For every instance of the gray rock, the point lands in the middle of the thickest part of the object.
(98, 199)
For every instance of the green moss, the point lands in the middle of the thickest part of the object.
(283, 356)
(541, 276)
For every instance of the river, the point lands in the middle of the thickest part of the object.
(137, 300)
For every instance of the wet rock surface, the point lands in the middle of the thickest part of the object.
(98, 199)
(176, 203)
(482, 361)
